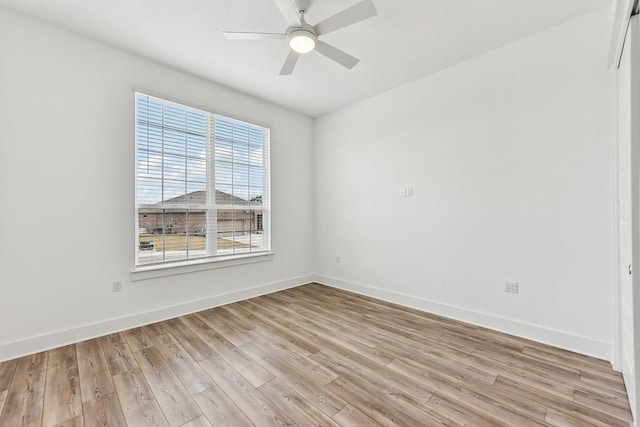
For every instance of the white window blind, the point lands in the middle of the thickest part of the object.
(202, 184)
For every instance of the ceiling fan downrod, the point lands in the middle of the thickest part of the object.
(302, 6)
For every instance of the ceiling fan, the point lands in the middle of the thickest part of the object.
(303, 38)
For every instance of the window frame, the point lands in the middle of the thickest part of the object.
(207, 261)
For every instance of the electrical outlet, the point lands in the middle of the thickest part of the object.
(117, 286)
(511, 287)
(337, 260)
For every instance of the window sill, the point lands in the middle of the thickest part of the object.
(162, 270)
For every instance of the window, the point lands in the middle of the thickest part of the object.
(202, 184)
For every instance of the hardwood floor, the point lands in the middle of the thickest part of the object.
(312, 355)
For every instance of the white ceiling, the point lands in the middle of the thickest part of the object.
(408, 39)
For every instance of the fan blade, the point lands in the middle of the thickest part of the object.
(337, 55)
(289, 12)
(356, 13)
(232, 35)
(289, 63)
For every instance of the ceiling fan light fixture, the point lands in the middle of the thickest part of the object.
(302, 41)
(303, 38)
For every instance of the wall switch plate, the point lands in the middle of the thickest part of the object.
(406, 192)
(511, 287)
(117, 286)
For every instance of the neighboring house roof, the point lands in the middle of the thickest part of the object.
(200, 197)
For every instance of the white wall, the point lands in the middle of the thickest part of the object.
(67, 191)
(511, 159)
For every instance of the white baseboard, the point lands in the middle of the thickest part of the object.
(579, 344)
(565, 340)
(15, 349)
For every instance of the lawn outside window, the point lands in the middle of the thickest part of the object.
(202, 186)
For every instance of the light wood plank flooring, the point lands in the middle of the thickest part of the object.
(307, 356)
